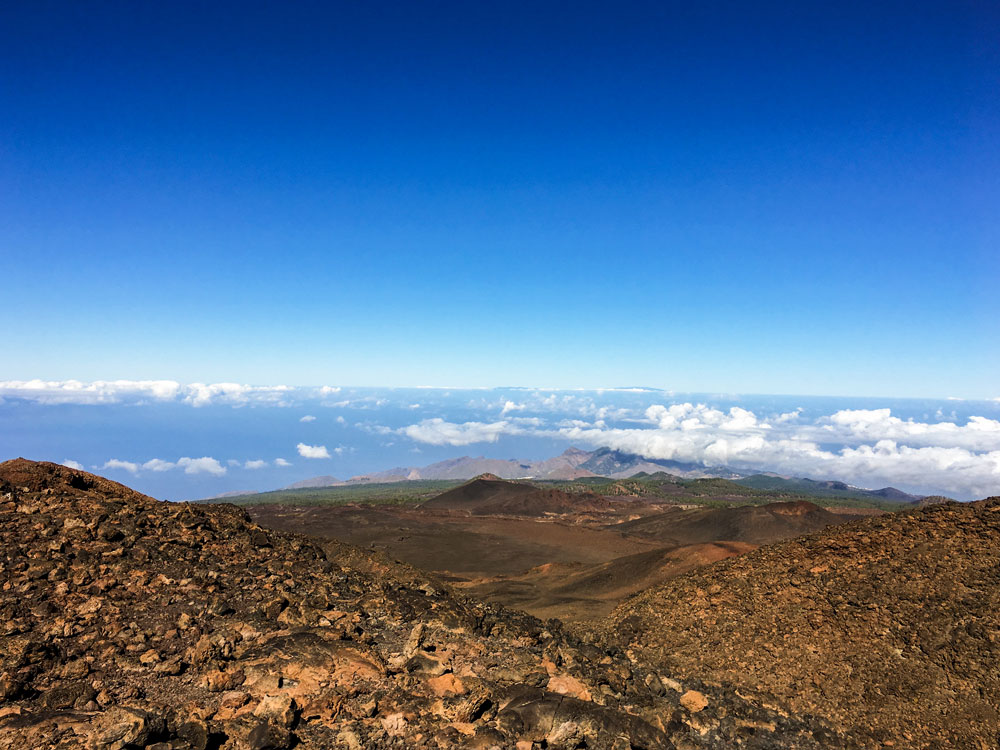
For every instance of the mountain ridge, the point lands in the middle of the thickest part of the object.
(575, 463)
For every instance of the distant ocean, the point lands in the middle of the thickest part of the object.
(177, 441)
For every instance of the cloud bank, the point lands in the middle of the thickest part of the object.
(139, 392)
(947, 446)
(97, 392)
(869, 448)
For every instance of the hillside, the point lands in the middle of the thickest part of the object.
(375, 493)
(753, 524)
(621, 465)
(814, 488)
(484, 496)
(889, 627)
(131, 623)
(322, 481)
(554, 554)
(683, 539)
(583, 593)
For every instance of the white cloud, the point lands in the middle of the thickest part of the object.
(258, 464)
(867, 448)
(96, 392)
(789, 416)
(200, 394)
(143, 391)
(72, 464)
(439, 432)
(510, 406)
(128, 466)
(576, 423)
(700, 417)
(965, 459)
(365, 402)
(944, 451)
(979, 433)
(203, 465)
(312, 451)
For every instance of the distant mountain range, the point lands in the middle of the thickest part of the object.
(815, 488)
(603, 462)
(571, 464)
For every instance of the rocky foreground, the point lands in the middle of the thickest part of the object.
(131, 623)
(888, 627)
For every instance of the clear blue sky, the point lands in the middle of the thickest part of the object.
(758, 197)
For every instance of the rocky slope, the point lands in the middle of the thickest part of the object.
(889, 627)
(484, 496)
(584, 593)
(753, 524)
(131, 623)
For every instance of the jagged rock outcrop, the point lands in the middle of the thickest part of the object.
(131, 623)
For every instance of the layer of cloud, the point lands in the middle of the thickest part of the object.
(70, 464)
(952, 449)
(201, 394)
(869, 448)
(312, 451)
(96, 392)
(143, 392)
(979, 433)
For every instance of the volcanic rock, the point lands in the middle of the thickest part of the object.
(274, 642)
(888, 627)
(753, 524)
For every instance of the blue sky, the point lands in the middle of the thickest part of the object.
(743, 197)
